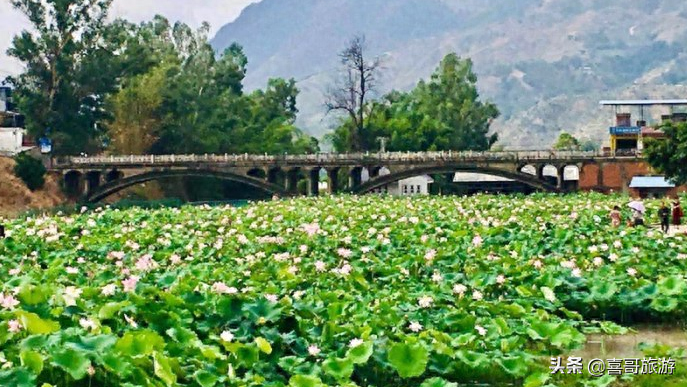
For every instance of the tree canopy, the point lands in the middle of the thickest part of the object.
(153, 87)
(70, 66)
(444, 113)
(669, 156)
(566, 141)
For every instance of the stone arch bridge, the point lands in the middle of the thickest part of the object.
(95, 178)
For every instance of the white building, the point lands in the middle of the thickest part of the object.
(418, 185)
(11, 140)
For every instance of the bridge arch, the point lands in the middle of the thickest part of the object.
(118, 185)
(395, 176)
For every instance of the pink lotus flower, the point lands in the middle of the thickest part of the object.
(146, 263)
(108, 290)
(311, 228)
(71, 294)
(222, 288)
(320, 266)
(8, 302)
(14, 326)
(477, 295)
(415, 326)
(425, 301)
(313, 350)
(430, 255)
(344, 253)
(87, 324)
(130, 283)
(477, 240)
(345, 269)
(459, 289)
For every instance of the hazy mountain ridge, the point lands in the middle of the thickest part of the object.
(546, 63)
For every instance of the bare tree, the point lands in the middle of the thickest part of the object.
(356, 84)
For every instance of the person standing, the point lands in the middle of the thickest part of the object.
(637, 218)
(638, 210)
(615, 216)
(677, 212)
(664, 215)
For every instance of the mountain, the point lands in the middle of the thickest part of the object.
(546, 63)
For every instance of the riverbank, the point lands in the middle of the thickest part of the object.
(15, 198)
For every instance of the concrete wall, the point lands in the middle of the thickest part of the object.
(613, 177)
(11, 139)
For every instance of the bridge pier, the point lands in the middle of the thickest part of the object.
(355, 178)
(333, 177)
(540, 171)
(275, 176)
(560, 177)
(73, 183)
(93, 181)
(313, 182)
(291, 181)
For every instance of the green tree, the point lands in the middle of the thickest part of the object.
(589, 146)
(566, 141)
(69, 67)
(444, 113)
(452, 99)
(136, 113)
(30, 170)
(669, 156)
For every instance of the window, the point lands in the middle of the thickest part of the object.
(418, 189)
(412, 189)
(405, 189)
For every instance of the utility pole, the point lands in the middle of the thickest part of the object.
(383, 141)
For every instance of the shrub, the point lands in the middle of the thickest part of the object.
(30, 170)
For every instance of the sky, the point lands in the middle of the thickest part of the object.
(192, 12)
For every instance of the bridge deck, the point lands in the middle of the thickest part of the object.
(330, 159)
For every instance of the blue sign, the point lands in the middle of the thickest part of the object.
(620, 130)
(45, 144)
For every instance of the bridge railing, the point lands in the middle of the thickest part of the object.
(327, 157)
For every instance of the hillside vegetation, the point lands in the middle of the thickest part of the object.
(545, 63)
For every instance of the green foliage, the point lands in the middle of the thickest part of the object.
(153, 87)
(409, 360)
(669, 156)
(589, 146)
(261, 302)
(30, 170)
(70, 65)
(566, 141)
(444, 113)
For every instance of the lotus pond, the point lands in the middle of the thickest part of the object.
(347, 291)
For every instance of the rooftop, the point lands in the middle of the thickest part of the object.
(650, 182)
(645, 102)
